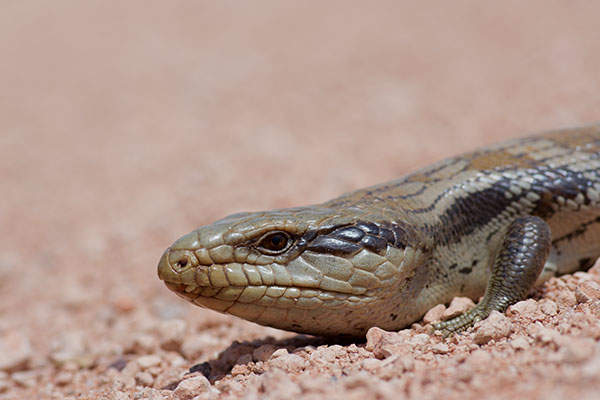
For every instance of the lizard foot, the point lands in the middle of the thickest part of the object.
(462, 322)
(516, 268)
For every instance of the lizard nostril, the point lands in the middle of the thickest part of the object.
(181, 263)
(181, 260)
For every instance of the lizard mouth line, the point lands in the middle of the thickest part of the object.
(284, 291)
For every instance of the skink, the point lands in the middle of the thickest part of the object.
(491, 223)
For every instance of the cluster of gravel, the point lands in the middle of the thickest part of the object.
(546, 346)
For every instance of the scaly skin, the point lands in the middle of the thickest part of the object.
(505, 217)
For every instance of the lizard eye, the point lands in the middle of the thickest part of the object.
(275, 242)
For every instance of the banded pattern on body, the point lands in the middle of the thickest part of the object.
(382, 256)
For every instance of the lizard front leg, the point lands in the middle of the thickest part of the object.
(519, 263)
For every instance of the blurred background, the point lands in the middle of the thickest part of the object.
(124, 125)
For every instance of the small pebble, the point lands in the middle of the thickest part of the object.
(549, 307)
(324, 354)
(458, 306)
(353, 348)
(144, 378)
(383, 343)
(203, 368)
(264, 352)
(440, 348)
(148, 361)
(289, 363)
(374, 337)
(240, 369)
(526, 308)
(279, 353)
(587, 291)
(118, 364)
(127, 375)
(566, 298)
(494, 327)
(338, 351)
(191, 387)
(434, 314)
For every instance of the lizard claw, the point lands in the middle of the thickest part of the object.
(460, 323)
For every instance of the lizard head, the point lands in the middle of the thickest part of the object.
(312, 269)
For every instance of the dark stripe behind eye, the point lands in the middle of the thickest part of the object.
(327, 244)
(368, 227)
(374, 244)
(349, 233)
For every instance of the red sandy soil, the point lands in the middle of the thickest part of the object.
(124, 125)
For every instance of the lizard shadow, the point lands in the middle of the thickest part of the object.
(243, 353)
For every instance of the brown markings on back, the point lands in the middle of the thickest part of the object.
(489, 160)
(587, 137)
(421, 177)
(576, 137)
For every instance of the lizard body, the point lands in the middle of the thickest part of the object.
(494, 221)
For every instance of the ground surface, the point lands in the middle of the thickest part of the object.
(124, 125)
